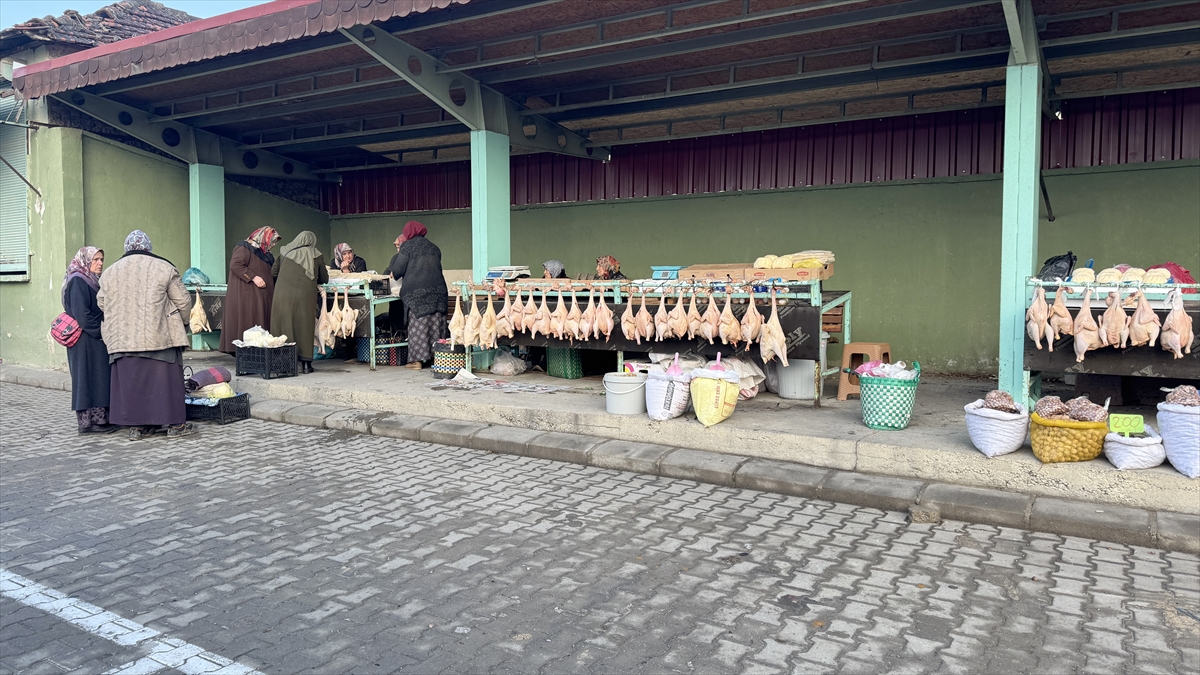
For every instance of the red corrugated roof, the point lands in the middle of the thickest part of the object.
(243, 30)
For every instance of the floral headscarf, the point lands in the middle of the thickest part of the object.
(340, 250)
(81, 266)
(555, 268)
(263, 238)
(607, 267)
(138, 241)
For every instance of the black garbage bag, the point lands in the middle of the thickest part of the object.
(1058, 268)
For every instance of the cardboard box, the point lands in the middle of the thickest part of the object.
(792, 274)
(716, 272)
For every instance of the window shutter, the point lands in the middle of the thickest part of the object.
(14, 204)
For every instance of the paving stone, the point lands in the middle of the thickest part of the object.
(701, 466)
(977, 505)
(1107, 522)
(786, 478)
(507, 440)
(1179, 531)
(562, 447)
(406, 427)
(877, 492)
(311, 415)
(270, 409)
(628, 456)
(450, 432)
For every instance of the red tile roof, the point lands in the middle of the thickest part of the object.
(118, 21)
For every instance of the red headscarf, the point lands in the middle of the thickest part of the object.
(263, 238)
(414, 229)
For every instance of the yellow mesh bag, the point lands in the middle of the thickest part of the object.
(1066, 440)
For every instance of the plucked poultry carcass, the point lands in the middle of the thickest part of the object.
(694, 318)
(1114, 323)
(677, 320)
(730, 329)
(587, 320)
(541, 318)
(474, 322)
(1144, 325)
(573, 327)
(710, 320)
(558, 318)
(752, 320)
(644, 323)
(198, 320)
(516, 314)
(771, 340)
(629, 322)
(1037, 317)
(349, 316)
(1060, 318)
(504, 325)
(661, 329)
(325, 328)
(604, 320)
(1087, 333)
(531, 312)
(1177, 335)
(487, 327)
(458, 322)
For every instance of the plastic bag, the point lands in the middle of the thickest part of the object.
(1179, 275)
(714, 394)
(749, 375)
(895, 371)
(1135, 453)
(506, 364)
(1058, 268)
(995, 432)
(1180, 428)
(194, 277)
(319, 355)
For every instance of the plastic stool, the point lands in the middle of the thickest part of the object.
(854, 355)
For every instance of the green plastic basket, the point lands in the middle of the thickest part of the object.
(887, 403)
(564, 363)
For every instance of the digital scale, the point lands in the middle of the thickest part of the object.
(507, 273)
(665, 272)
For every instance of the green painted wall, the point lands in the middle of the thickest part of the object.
(922, 258)
(96, 191)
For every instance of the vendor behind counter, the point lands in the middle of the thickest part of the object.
(345, 260)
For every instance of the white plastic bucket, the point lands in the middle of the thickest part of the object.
(623, 393)
(797, 381)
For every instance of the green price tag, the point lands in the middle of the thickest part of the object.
(1126, 424)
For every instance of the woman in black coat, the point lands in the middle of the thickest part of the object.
(418, 262)
(87, 358)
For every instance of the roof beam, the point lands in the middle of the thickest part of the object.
(476, 105)
(187, 144)
(786, 29)
(369, 137)
(1022, 32)
(250, 113)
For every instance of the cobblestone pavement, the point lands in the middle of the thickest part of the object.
(288, 549)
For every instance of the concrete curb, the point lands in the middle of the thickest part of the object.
(932, 500)
(1106, 522)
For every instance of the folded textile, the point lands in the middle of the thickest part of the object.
(219, 390)
(208, 376)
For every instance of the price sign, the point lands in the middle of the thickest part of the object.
(1126, 424)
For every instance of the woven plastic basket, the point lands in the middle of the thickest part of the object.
(887, 403)
(1066, 440)
(447, 362)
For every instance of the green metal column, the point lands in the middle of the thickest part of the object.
(1022, 166)
(206, 197)
(490, 198)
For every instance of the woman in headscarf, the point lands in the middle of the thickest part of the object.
(145, 306)
(418, 262)
(298, 270)
(554, 270)
(250, 288)
(608, 268)
(88, 357)
(345, 260)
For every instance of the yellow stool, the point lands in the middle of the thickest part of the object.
(854, 355)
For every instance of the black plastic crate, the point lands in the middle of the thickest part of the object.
(226, 410)
(270, 362)
(381, 287)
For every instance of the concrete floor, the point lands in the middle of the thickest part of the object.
(934, 447)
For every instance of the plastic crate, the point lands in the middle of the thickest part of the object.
(481, 359)
(384, 356)
(564, 362)
(381, 287)
(269, 362)
(226, 410)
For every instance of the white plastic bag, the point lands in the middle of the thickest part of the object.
(667, 396)
(1180, 428)
(749, 374)
(507, 365)
(994, 432)
(1135, 453)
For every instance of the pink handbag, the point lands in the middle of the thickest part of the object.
(65, 330)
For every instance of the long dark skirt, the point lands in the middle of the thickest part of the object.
(422, 333)
(146, 392)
